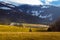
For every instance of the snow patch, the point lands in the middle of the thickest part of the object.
(6, 8)
(45, 7)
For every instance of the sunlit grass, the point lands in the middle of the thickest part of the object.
(8, 32)
(8, 28)
(29, 35)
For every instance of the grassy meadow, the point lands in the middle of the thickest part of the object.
(8, 28)
(29, 36)
(8, 32)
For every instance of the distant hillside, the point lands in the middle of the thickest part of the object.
(38, 14)
(11, 15)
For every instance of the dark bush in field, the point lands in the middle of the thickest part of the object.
(30, 30)
(55, 26)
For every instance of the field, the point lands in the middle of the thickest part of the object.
(8, 28)
(29, 35)
(19, 33)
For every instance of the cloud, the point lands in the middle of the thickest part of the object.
(49, 1)
(36, 2)
(32, 2)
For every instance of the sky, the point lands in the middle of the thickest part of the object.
(37, 2)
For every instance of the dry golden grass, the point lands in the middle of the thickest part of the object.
(29, 35)
(8, 28)
(19, 33)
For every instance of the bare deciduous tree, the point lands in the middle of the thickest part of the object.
(55, 26)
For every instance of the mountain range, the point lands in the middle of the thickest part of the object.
(24, 13)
